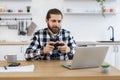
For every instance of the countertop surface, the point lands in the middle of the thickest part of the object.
(14, 43)
(98, 43)
(78, 42)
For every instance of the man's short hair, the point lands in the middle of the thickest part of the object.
(53, 11)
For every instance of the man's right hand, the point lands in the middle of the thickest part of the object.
(48, 48)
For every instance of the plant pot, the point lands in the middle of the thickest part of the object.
(105, 68)
(28, 10)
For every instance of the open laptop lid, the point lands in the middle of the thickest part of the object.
(88, 57)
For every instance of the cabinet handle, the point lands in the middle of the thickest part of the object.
(117, 49)
(116, 55)
(21, 49)
(114, 48)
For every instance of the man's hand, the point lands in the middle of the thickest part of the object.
(49, 47)
(64, 48)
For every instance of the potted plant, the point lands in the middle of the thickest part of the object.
(28, 8)
(102, 6)
(105, 68)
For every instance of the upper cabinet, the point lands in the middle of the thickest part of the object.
(89, 7)
(15, 7)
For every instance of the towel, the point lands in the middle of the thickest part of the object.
(31, 28)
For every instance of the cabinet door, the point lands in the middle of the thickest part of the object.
(12, 49)
(110, 56)
(24, 47)
(117, 56)
(113, 55)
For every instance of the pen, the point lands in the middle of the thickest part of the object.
(5, 67)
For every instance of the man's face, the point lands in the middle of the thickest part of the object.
(54, 23)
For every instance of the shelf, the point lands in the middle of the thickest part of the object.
(14, 13)
(77, 7)
(15, 0)
(78, 13)
(88, 0)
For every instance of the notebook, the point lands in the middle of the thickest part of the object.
(87, 57)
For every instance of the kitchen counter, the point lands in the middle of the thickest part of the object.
(97, 43)
(78, 42)
(14, 43)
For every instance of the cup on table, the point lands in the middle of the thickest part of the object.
(11, 58)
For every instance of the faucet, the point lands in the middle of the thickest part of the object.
(112, 38)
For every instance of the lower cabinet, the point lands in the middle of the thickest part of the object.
(19, 50)
(117, 56)
(113, 55)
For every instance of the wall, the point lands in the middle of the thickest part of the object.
(7, 34)
(83, 27)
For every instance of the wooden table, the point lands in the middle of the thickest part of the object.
(52, 70)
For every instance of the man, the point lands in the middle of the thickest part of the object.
(51, 43)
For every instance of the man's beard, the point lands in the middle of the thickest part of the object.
(54, 30)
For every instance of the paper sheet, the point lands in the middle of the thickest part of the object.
(28, 68)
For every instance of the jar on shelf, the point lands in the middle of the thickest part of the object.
(68, 10)
(111, 10)
(2, 9)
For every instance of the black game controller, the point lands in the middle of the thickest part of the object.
(57, 44)
(14, 64)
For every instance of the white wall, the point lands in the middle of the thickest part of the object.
(83, 27)
(15, 5)
(40, 8)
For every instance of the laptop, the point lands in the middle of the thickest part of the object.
(87, 57)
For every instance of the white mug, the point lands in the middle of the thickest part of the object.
(11, 58)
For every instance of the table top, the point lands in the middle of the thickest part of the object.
(52, 70)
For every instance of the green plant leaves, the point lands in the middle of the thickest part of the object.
(105, 65)
(102, 6)
(100, 0)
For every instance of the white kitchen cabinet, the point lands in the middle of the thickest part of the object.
(88, 7)
(117, 55)
(110, 57)
(113, 55)
(13, 49)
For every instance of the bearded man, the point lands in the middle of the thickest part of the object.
(53, 42)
